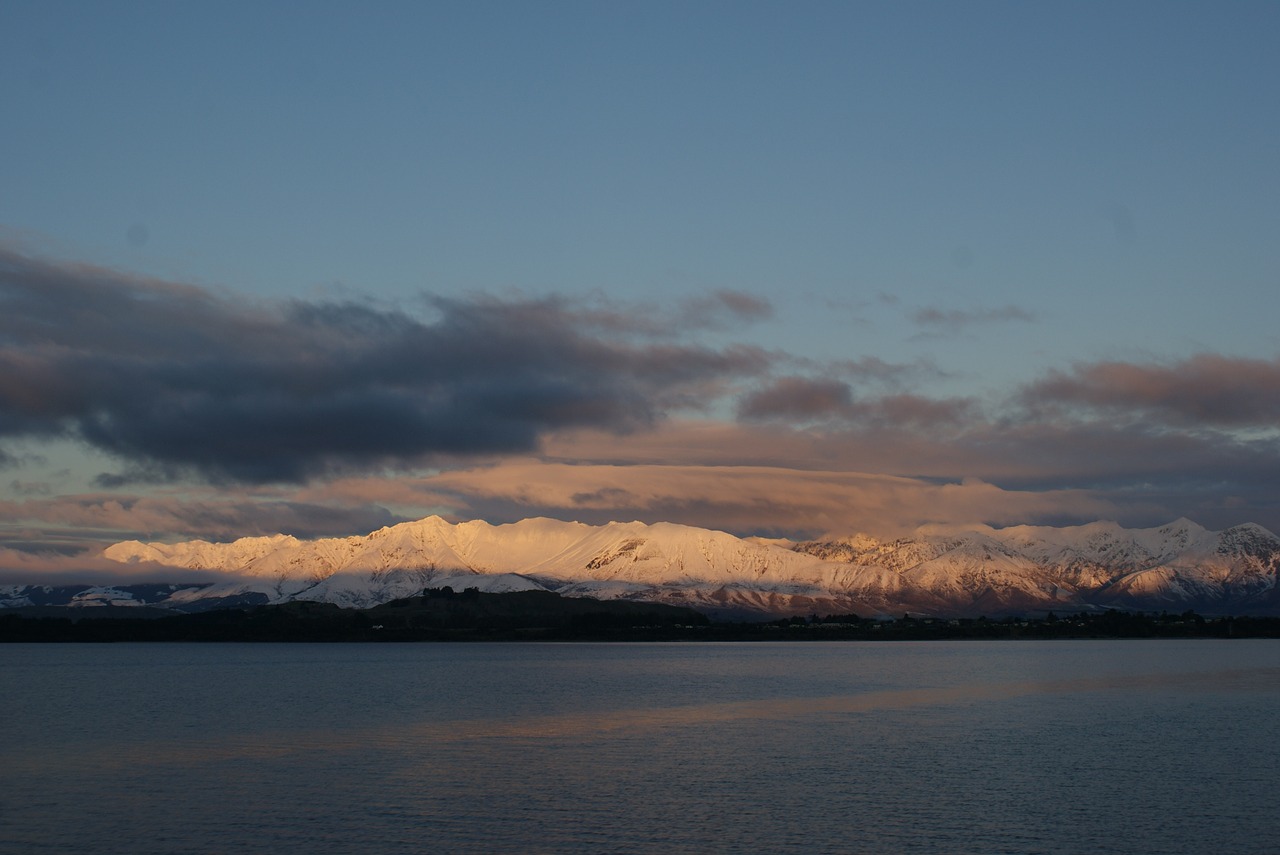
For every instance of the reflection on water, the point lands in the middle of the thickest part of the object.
(933, 747)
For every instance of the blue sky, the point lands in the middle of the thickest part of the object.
(1033, 217)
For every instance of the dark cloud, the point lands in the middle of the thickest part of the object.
(176, 379)
(797, 398)
(1206, 389)
(806, 399)
(917, 411)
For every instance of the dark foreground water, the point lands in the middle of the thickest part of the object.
(1018, 747)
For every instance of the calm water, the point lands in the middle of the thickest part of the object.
(1018, 747)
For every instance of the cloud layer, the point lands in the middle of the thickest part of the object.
(321, 418)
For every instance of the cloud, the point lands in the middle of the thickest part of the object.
(1145, 475)
(892, 375)
(724, 308)
(1204, 390)
(332, 411)
(920, 413)
(719, 310)
(797, 398)
(819, 400)
(90, 568)
(76, 522)
(746, 499)
(827, 392)
(756, 478)
(174, 379)
(29, 488)
(952, 321)
(50, 568)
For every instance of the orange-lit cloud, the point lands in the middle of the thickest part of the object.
(742, 499)
(75, 522)
(747, 499)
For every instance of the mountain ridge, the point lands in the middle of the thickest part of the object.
(945, 571)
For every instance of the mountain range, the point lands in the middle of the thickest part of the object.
(937, 571)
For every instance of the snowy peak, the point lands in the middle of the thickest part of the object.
(1251, 540)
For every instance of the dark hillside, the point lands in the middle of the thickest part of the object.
(439, 614)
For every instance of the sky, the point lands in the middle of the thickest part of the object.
(780, 269)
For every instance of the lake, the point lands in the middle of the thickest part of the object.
(933, 747)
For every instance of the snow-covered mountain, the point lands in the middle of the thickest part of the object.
(938, 571)
(662, 562)
(1027, 568)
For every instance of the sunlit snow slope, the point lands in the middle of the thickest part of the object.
(940, 571)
